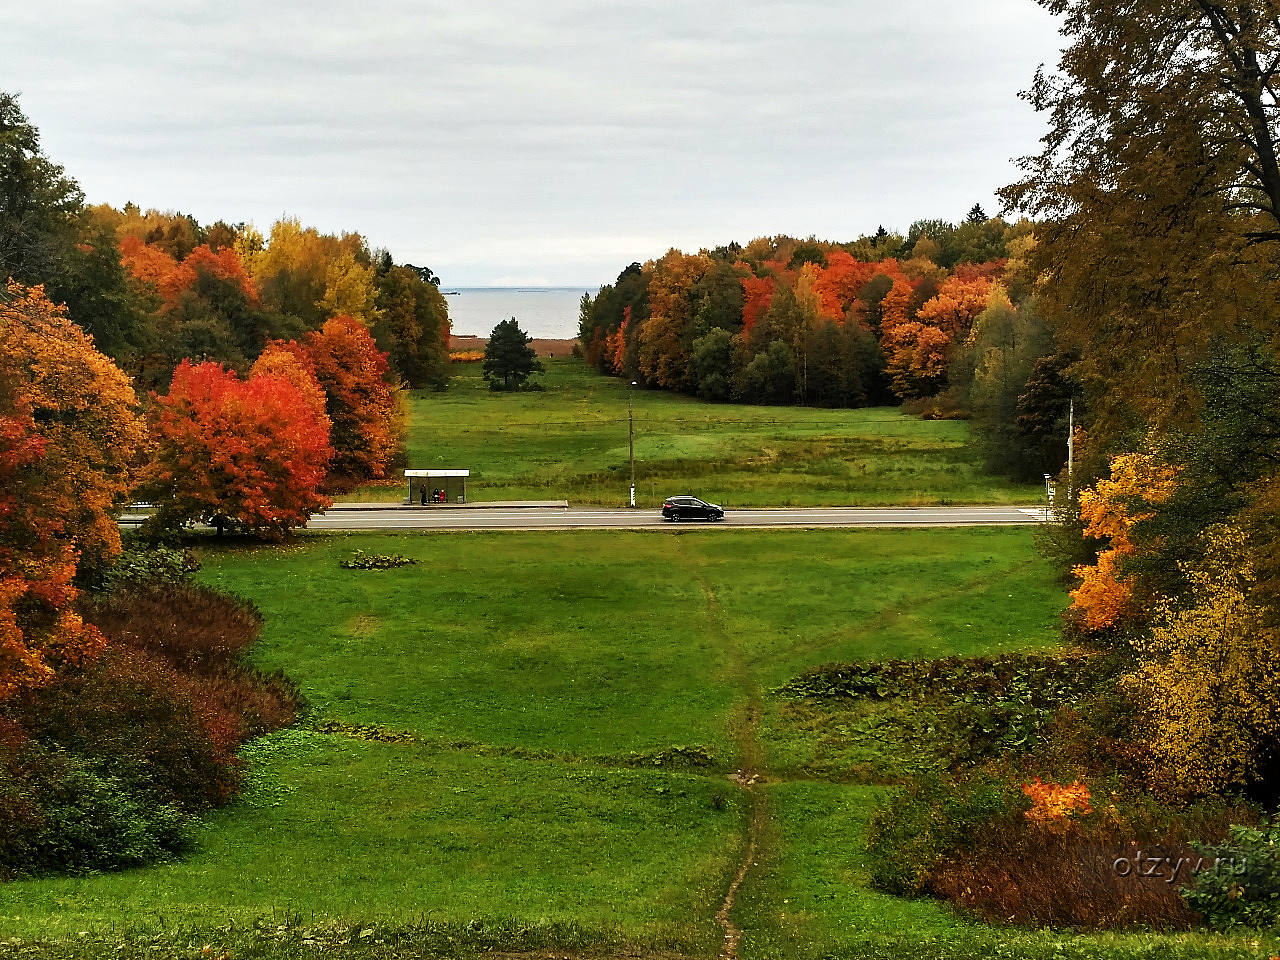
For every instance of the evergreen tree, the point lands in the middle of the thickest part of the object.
(508, 358)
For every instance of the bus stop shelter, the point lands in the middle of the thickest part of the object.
(437, 486)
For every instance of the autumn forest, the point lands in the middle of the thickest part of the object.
(641, 739)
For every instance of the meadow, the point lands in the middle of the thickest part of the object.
(569, 442)
(545, 742)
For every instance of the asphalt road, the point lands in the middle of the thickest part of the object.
(556, 518)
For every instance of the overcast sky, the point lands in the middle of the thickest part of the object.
(548, 142)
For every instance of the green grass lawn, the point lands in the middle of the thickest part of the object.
(569, 442)
(488, 759)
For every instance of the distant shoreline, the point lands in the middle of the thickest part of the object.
(454, 291)
(543, 347)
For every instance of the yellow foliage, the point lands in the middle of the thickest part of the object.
(1209, 682)
(349, 288)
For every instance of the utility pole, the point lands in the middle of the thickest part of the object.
(1071, 447)
(631, 441)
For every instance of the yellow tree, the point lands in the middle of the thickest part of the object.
(292, 271)
(664, 335)
(349, 288)
(1208, 682)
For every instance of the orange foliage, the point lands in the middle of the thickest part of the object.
(362, 405)
(916, 358)
(841, 281)
(1055, 802)
(992, 270)
(616, 343)
(281, 360)
(1110, 510)
(68, 434)
(149, 264)
(663, 353)
(171, 279)
(758, 296)
(249, 454)
(956, 306)
(224, 265)
(895, 305)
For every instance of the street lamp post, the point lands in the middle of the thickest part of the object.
(631, 441)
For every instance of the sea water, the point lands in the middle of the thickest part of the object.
(549, 313)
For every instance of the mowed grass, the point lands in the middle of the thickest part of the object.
(539, 677)
(600, 643)
(488, 754)
(384, 834)
(569, 442)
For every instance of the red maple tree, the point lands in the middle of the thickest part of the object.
(247, 455)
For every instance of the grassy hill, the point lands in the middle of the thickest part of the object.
(526, 743)
(570, 442)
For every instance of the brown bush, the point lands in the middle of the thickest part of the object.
(193, 627)
(134, 713)
(943, 406)
(1061, 877)
(240, 704)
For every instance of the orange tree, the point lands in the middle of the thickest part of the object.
(368, 421)
(1111, 510)
(69, 434)
(247, 455)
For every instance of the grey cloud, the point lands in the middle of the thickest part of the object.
(558, 140)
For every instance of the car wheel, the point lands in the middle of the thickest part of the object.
(675, 517)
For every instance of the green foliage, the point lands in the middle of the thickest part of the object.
(770, 377)
(1037, 679)
(884, 721)
(1016, 391)
(142, 564)
(932, 818)
(62, 812)
(508, 359)
(711, 361)
(844, 365)
(360, 560)
(413, 326)
(39, 204)
(1241, 887)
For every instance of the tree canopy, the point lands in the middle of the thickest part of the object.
(509, 361)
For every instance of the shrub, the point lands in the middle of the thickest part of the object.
(134, 714)
(1242, 887)
(1013, 848)
(934, 818)
(102, 768)
(1049, 877)
(142, 565)
(60, 812)
(982, 707)
(191, 626)
(240, 704)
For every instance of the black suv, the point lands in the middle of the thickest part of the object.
(690, 508)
